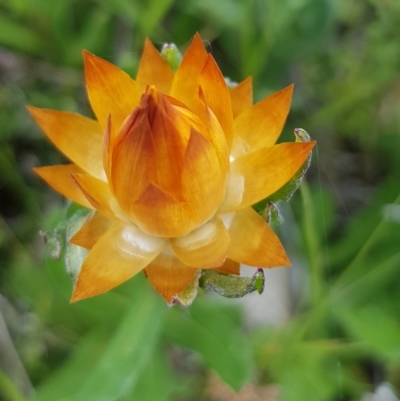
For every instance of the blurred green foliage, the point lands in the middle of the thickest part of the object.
(343, 336)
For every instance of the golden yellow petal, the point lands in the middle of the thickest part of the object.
(260, 126)
(242, 96)
(60, 179)
(229, 267)
(110, 90)
(154, 70)
(108, 147)
(204, 178)
(253, 242)
(257, 175)
(213, 91)
(214, 133)
(168, 275)
(149, 150)
(78, 137)
(118, 255)
(206, 247)
(91, 231)
(185, 80)
(98, 194)
(167, 175)
(157, 213)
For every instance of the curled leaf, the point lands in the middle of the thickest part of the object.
(230, 286)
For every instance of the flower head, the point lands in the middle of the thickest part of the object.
(171, 167)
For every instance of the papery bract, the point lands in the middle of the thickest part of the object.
(171, 167)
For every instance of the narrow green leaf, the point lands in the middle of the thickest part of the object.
(72, 373)
(376, 328)
(128, 351)
(19, 37)
(211, 331)
(157, 381)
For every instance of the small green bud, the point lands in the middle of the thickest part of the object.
(301, 135)
(231, 286)
(272, 214)
(171, 55)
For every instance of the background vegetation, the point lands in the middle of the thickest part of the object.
(342, 228)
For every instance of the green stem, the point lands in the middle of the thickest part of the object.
(312, 244)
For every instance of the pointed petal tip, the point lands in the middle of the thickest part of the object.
(87, 54)
(31, 109)
(284, 261)
(80, 294)
(77, 294)
(74, 298)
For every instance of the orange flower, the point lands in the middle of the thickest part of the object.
(172, 166)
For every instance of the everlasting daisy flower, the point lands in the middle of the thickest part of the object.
(171, 167)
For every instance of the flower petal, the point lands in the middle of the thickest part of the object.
(242, 96)
(213, 91)
(99, 195)
(185, 80)
(206, 247)
(78, 137)
(154, 70)
(168, 275)
(166, 172)
(204, 178)
(60, 179)
(91, 231)
(257, 175)
(253, 242)
(119, 254)
(229, 267)
(261, 125)
(110, 90)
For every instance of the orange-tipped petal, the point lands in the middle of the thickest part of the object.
(91, 231)
(60, 179)
(253, 242)
(175, 176)
(78, 137)
(154, 70)
(119, 254)
(229, 267)
(204, 178)
(157, 213)
(206, 247)
(108, 146)
(261, 125)
(257, 175)
(242, 96)
(99, 195)
(168, 275)
(213, 91)
(185, 80)
(110, 90)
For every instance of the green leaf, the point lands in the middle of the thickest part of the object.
(18, 37)
(128, 352)
(210, 329)
(157, 381)
(231, 286)
(374, 326)
(90, 377)
(69, 376)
